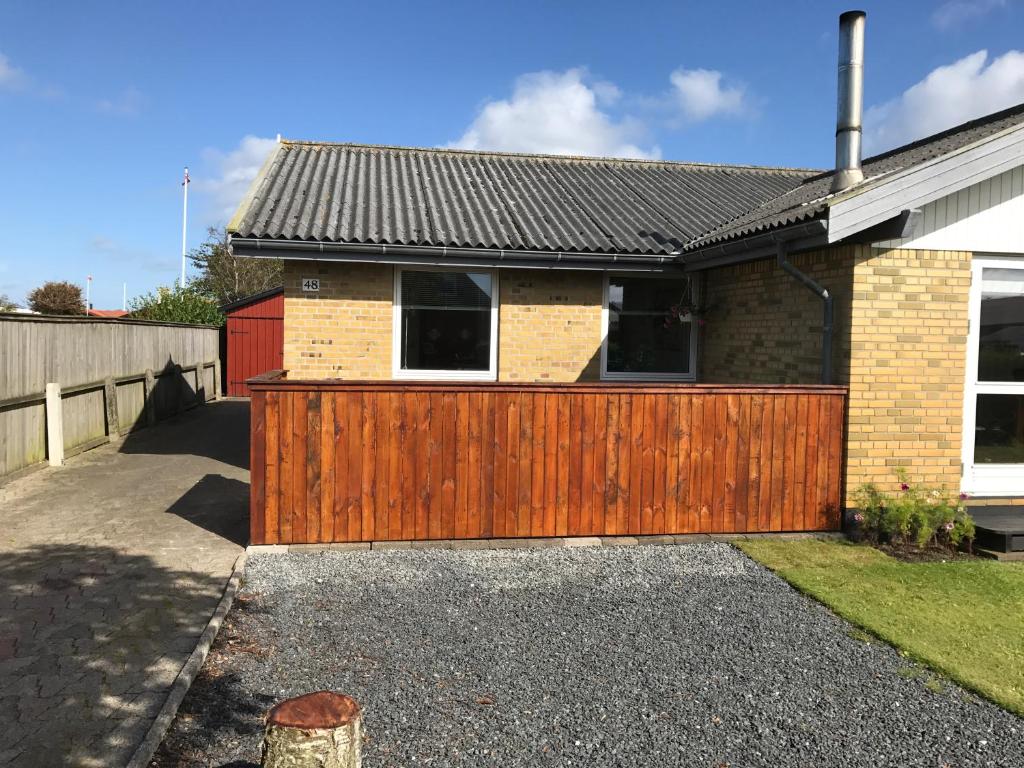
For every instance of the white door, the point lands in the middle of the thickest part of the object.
(993, 445)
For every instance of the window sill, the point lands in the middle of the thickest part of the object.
(416, 375)
(678, 377)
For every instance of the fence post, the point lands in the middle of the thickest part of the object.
(149, 398)
(54, 425)
(110, 400)
(216, 378)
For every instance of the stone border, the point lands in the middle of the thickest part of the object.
(533, 543)
(155, 735)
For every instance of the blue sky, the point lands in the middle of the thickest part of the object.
(102, 104)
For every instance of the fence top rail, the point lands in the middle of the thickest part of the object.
(278, 381)
(17, 317)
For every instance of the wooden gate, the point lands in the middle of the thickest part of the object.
(342, 462)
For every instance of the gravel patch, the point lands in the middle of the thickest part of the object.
(643, 656)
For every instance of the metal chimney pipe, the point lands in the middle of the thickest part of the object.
(850, 100)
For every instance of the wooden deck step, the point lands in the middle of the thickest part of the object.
(999, 528)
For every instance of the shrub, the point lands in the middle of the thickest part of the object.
(914, 515)
(177, 305)
(57, 298)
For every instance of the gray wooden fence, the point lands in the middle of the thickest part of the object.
(95, 379)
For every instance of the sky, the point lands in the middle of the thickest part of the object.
(102, 104)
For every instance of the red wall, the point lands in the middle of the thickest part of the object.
(255, 341)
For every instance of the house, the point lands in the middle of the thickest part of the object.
(254, 334)
(896, 281)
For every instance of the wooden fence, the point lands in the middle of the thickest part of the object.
(344, 462)
(113, 375)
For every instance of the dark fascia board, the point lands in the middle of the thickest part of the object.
(798, 237)
(445, 256)
(251, 299)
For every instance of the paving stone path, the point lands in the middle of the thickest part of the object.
(110, 568)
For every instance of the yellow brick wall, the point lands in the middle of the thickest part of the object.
(549, 325)
(344, 331)
(900, 345)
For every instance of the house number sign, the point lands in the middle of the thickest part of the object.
(311, 284)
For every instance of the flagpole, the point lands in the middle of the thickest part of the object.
(184, 225)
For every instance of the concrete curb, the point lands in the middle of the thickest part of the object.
(534, 543)
(145, 751)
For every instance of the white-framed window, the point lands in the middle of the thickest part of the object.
(445, 324)
(648, 333)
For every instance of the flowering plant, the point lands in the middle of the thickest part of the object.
(914, 515)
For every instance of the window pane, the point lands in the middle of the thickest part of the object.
(446, 321)
(999, 430)
(645, 335)
(1001, 337)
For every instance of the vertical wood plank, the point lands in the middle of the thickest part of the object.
(636, 464)
(328, 464)
(474, 469)
(258, 469)
(515, 401)
(272, 532)
(562, 461)
(396, 448)
(435, 518)
(300, 424)
(778, 454)
(526, 446)
(422, 464)
(587, 439)
(448, 452)
(485, 504)
(789, 463)
(368, 482)
(754, 465)
(649, 452)
(671, 470)
(599, 486)
(624, 442)
(575, 464)
(823, 478)
(287, 459)
(611, 485)
(705, 523)
(550, 464)
(540, 449)
(811, 470)
(501, 458)
(693, 493)
(462, 468)
(341, 455)
(742, 464)
(313, 489)
(354, 454)
(723, 447)
(765, 492)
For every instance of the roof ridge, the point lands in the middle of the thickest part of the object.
(567, 158)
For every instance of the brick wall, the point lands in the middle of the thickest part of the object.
(344, 331)
(549, 323)
(550, 326)
(900, 345)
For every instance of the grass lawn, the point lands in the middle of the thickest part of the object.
(964, 619)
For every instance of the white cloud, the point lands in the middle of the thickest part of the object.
(226, 176)
(11, 77)
(953, 13)
(701, 95)
(128, 103)
(561, 113)
(948, 96)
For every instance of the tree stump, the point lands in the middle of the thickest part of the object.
(318, 730)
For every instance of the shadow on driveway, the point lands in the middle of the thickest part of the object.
(90, 640)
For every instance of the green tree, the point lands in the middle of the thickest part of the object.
(6, 304)
(227, 278)
(177, 305)
(57, 298)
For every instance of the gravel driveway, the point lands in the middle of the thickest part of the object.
(643, 656)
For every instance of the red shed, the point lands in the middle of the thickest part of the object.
(255, 336)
